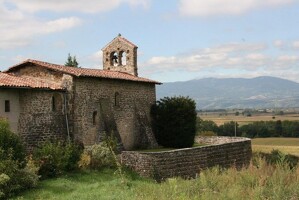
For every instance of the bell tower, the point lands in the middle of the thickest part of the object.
(120, 55)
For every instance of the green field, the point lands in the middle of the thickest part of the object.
(286, 145)
(219, 120)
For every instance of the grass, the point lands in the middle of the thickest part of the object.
(259, 181)
(285, 145)
(104, 184)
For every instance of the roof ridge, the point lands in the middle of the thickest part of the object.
(83, 72)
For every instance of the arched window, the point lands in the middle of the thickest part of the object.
(116, 99)
(114, 59)
(123, 58)
(94, 117)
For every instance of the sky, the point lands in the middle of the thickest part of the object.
(177, 40)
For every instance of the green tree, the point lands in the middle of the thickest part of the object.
(278, 128)
(174, 122)
(229, 128)
(206, 125)
(71, 61)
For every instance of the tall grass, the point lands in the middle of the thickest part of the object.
(259, 181)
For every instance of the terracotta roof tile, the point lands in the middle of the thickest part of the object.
(84, 72)
(9, 80)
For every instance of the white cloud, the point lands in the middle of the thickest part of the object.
(235, 55)
(18, 28)
(240, 57)
(279, 44)
(295, 44)
(223, 7)
(19, 24)
(90, 6)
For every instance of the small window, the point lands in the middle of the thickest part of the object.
(117, 99)
(7, 106)
(53, 104)
(94, 117)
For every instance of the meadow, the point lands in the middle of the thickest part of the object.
(258, 181)
(285, 145)
(220, 119)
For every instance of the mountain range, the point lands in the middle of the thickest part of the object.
(227, 93)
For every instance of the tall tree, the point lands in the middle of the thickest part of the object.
(71, 61)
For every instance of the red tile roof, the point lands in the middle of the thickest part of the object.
(9, 80)
(84, 72)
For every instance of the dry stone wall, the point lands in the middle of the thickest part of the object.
(221, 151)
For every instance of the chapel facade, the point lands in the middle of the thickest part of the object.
(44, 101)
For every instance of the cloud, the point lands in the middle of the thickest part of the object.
(20, 23)
(225, 7)
(233, 55)
(279, 44)
(237, 57)
(18, 28)
(90, 6)
(295, 44)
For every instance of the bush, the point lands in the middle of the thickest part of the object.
(10, 143)
(54, 158)
(99, 155)
(276, 157)
(174, 122)
(14, 178)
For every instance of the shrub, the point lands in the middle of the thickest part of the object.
(54, 158)
(10, 143)
(97, 156)
(14, 178)
(276, 157)
(174, 122)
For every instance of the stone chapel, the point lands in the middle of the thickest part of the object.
(44, 101)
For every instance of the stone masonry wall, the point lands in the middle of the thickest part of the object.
(124, 51)
(129, 117)
(37, 121)
(226, 152)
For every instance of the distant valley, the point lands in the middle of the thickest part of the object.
(227, 93)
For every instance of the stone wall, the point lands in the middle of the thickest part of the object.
(126, 55)
(38, 122)
(39, 73)
(226, 152)
(121, 107)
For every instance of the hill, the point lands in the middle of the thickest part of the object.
(224, 93)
